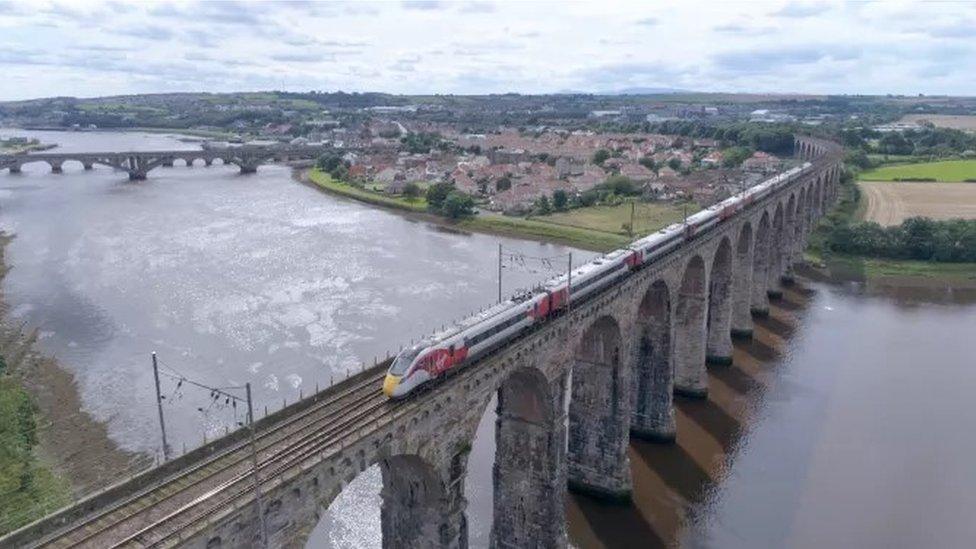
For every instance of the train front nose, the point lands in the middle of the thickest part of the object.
(390, 384)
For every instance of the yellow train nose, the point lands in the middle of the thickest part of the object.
(390, 384)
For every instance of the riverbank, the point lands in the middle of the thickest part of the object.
(53, 451)
(486, 223)
(851, 207)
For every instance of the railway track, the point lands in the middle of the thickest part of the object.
(194, 483)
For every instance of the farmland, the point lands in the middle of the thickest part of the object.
(891, 203)
(966, 122)
(949, 170)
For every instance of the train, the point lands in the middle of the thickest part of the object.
(474, 337)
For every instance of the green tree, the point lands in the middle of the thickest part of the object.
(542, 205)
(411, 191)
(559, 200)
(733, 157)
(457, 205)
(674, 163)
(649, 163)
(328, 162)
(503, 184)
(600, 156)
(437, 194)
(621, 185)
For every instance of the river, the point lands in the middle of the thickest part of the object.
(843, 423)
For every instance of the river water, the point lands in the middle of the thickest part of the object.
(843, 423)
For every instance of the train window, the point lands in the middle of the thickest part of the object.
(451, 350)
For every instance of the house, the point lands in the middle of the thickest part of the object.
(761, 162)
(636, 172)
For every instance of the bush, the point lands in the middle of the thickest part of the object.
(457, 205)
(411, 191)
(437, 194)
(600, 156)
(559, 200)
(621, 185)
(542, 206)
(917, 238)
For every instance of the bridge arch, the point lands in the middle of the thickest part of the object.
(760, 266)
(690, 378)
(741, 323)
(777, 245)
(789, 238)
(414, 505)
(719, 318)
(652, 410)
(599, 413)
(530, 453)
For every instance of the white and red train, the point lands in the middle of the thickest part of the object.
(477, 335)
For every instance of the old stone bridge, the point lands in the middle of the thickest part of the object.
(570, 394)
(138, 164)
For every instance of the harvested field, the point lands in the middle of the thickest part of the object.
(955, 121)
(891, 203)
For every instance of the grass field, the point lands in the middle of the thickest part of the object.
(647, 217)
(326, 182)
(951, 170)
(28, 490)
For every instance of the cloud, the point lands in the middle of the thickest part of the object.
(801, 10)
(767, 60)
(478, 7)
(422, 5)
(147, 32)
(647, 22)
(297, 57)
(735, 28)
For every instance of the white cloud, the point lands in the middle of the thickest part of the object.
(102, 48)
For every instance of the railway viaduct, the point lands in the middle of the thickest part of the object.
(138, 164)
(570, 395)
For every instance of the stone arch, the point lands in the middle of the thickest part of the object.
(652, 416)
(689, 331)
(599, 414)
(777, 245)
(789, 239)
(718, 348)
(741, 323)
(530, 455)
(414, 497)
(760, 266)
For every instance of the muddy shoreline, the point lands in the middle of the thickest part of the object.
(71, 443)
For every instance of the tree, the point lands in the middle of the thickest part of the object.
(857, 157)
(734, 157)
(328, 162)
(437, 194)
(503, 184)
(559, 200)
(649, 163)
(542, 206)
(600, 156)
(674, 163)
(621, 185)
(457, 205)
(411, 191)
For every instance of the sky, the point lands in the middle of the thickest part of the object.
(87, 49)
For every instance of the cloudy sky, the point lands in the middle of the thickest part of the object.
(108, 48)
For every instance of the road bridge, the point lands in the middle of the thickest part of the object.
(138, 164)
(570, 394)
